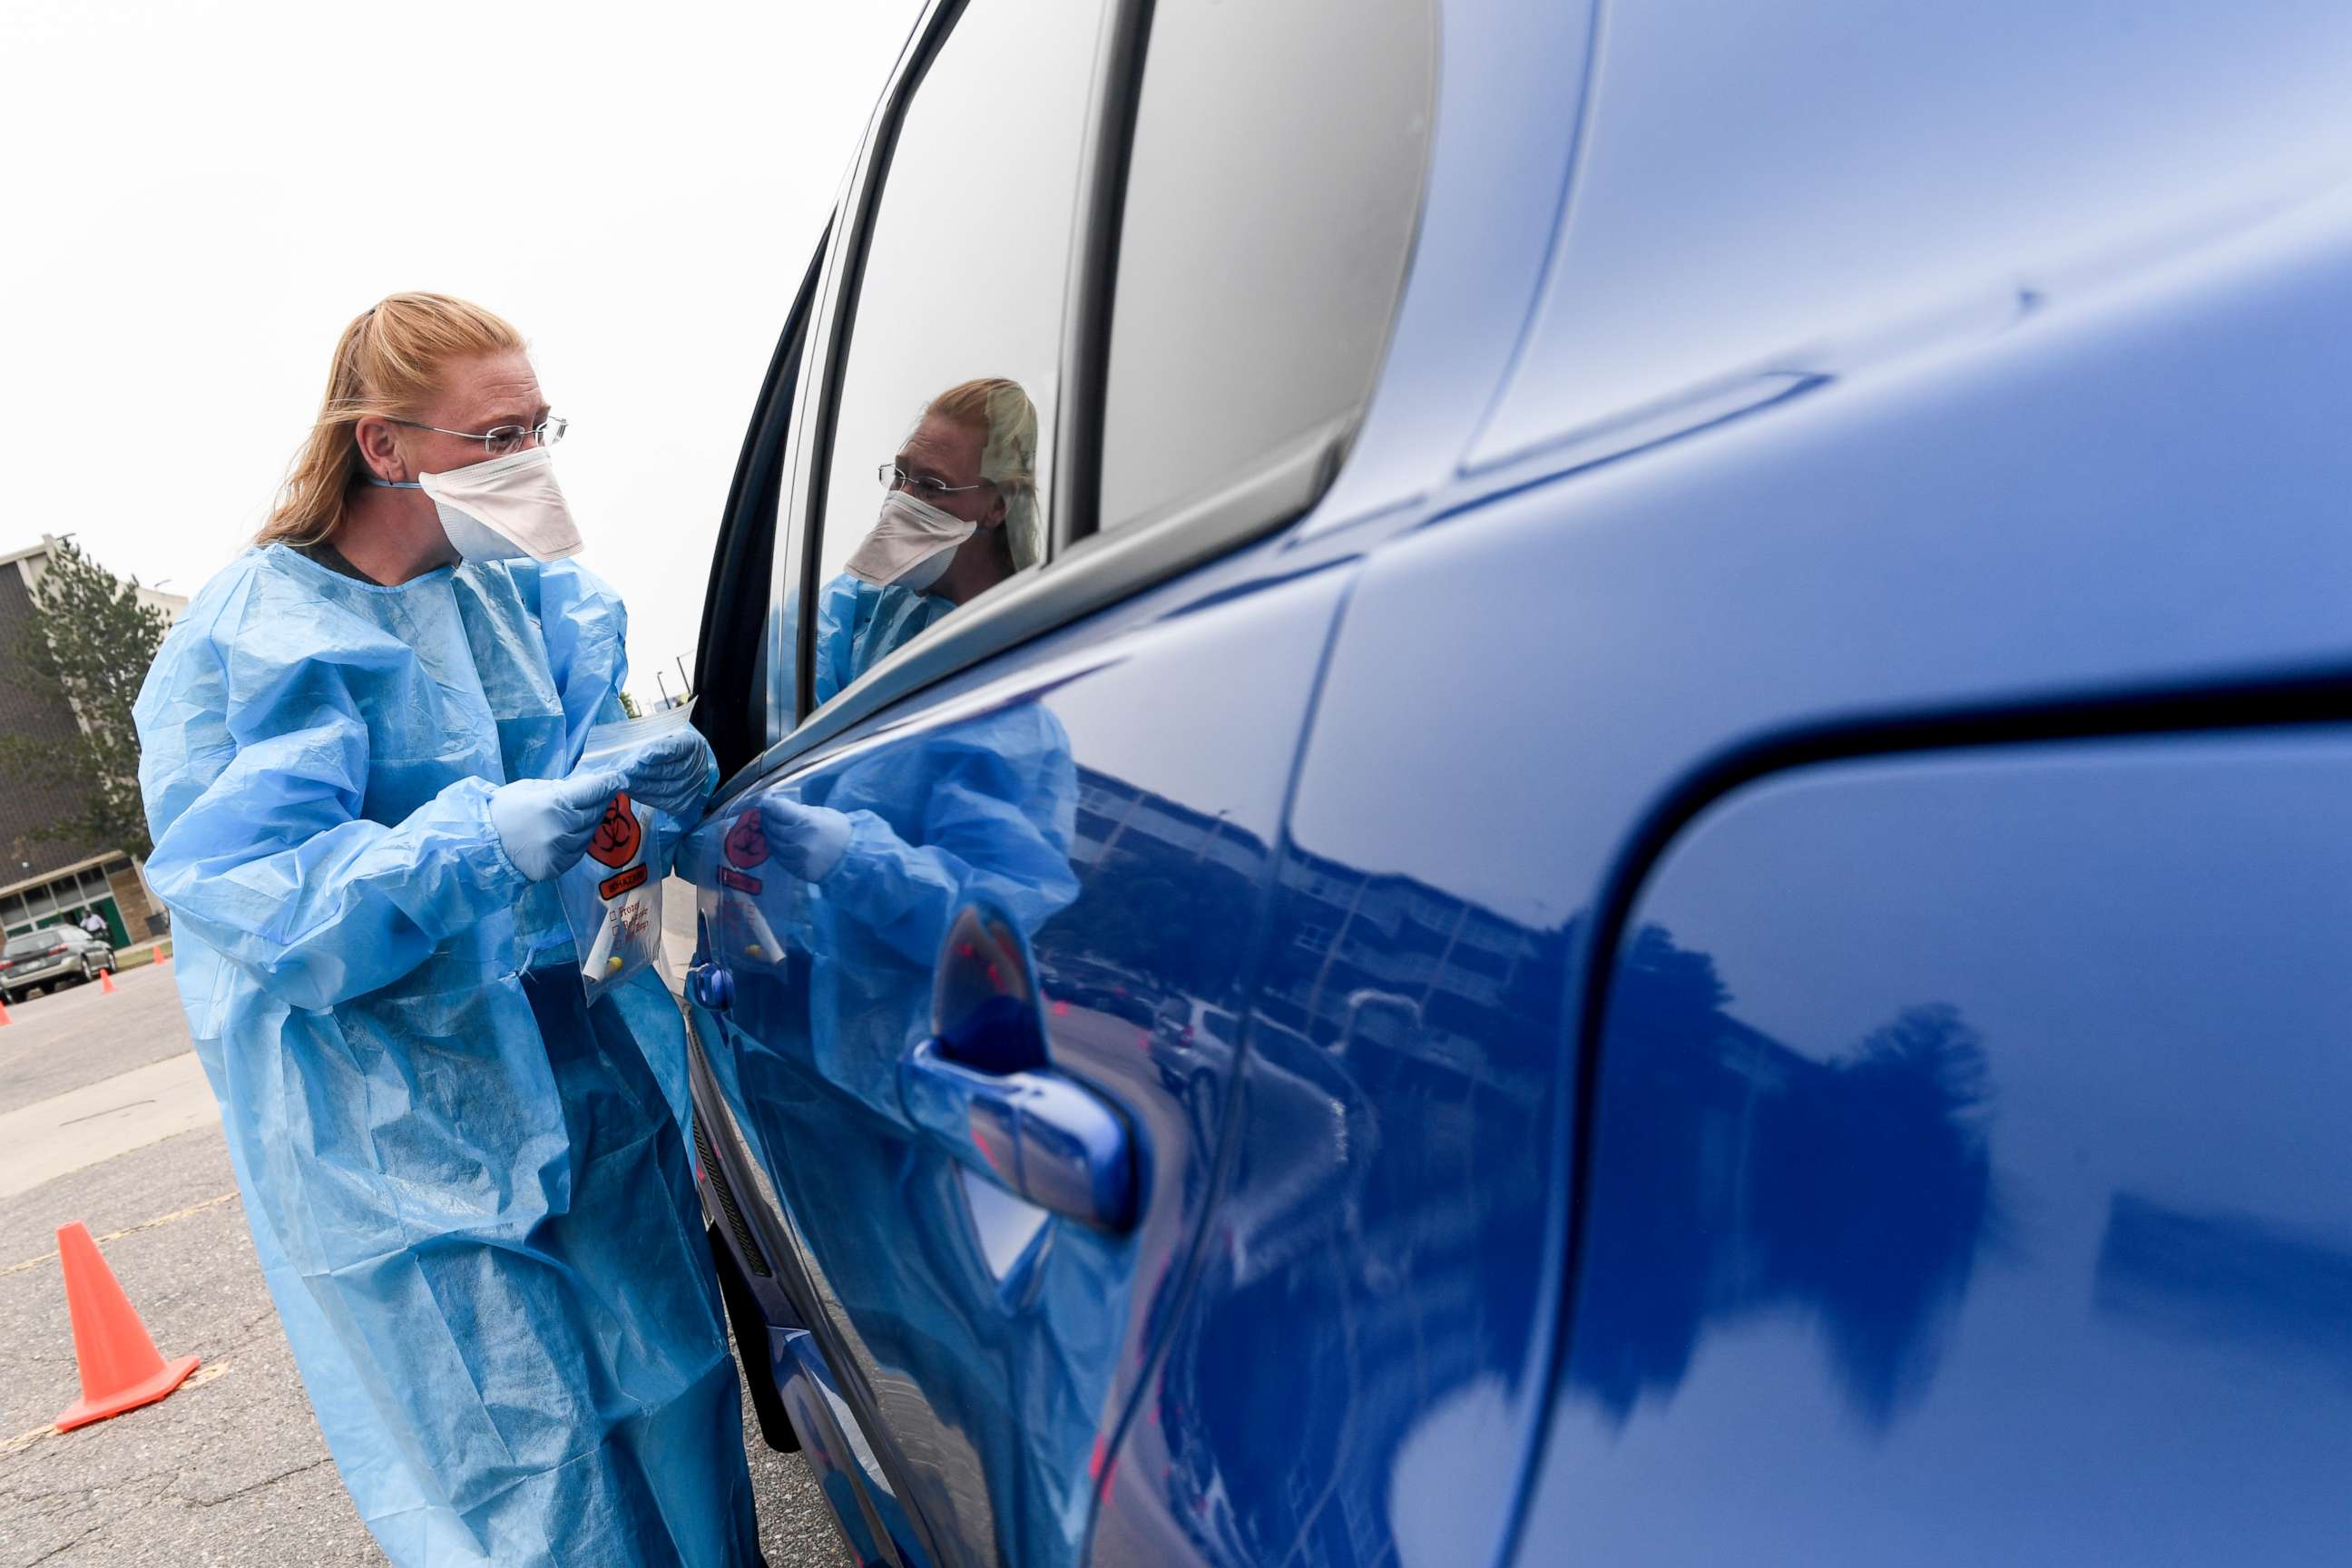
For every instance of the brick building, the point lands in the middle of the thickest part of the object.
(45, 880)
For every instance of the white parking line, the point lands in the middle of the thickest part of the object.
(86, 1126)
(51, 1256)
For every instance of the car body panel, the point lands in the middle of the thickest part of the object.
(1759, 192)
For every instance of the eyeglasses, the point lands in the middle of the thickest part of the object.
(500, 439)
(893, 477)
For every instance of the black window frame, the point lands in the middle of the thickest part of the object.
(741, 591)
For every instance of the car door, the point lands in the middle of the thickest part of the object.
(980, 929)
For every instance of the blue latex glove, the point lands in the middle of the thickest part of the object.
(805, 841)
(674, 775)
(544, 825)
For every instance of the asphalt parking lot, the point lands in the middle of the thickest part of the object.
(102, 1121)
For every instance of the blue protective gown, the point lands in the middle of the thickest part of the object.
(857, 624)
(467, 1188)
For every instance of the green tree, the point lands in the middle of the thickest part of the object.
(629, 705)
(88, 648)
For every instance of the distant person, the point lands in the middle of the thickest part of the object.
(959, 516)
(467, 1185)
(95, 924)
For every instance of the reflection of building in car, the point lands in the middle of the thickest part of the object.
(1363, 957)
(959, 516)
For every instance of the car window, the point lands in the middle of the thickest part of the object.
(1271, 199)
(933, 491)
(32, 942)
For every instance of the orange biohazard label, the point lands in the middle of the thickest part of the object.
(612, 888)
(747, 842)
(618, 836)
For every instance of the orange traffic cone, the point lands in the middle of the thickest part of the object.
(106, 981)
(3, 1012)
(120, 1368)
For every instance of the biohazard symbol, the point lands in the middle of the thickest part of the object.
(747, 842)
(618, 836)
(747, 845)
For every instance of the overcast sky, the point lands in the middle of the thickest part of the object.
(199, 196)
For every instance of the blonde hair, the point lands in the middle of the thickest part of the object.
(1007, 422)
(388, 363)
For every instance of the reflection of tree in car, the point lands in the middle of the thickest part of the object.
(959, 516)
(1737, 1175)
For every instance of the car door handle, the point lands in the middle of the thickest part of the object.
(711, 987)
(983, 1088)
(1034, 1133)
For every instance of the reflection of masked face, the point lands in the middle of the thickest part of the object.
(910, 545)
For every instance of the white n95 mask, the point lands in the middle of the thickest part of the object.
(505, 508)
(911, 544)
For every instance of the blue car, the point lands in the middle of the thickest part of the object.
(1640, 846)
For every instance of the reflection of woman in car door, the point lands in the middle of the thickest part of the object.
(959, 516)
(862, 866)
